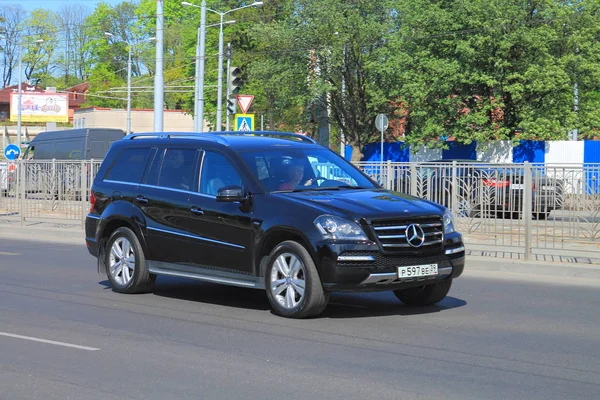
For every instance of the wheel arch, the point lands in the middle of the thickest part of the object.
(276, 236)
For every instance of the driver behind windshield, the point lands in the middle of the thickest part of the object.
(295, 174)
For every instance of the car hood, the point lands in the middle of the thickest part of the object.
(366, 203)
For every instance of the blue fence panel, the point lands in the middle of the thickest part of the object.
(532, 151)
(395, 152)
(459, 151)
(591, 155)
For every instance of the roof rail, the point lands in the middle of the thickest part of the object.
(167, 135)
(298, 136)
(160, 135)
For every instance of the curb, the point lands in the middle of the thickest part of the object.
(68, 233)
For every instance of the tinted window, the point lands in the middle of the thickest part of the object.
(153, 173)
(177, 169)
(129, 166)
(292, 168)
(217, 172)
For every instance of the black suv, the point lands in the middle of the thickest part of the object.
(265, 210)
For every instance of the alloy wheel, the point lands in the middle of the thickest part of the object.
(288, 280)
(122, 261)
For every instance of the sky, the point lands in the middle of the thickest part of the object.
(55, 5)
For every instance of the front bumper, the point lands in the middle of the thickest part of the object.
(364, 268)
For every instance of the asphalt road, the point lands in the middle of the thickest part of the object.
(65, 335)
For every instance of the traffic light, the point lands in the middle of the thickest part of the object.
(235, 80)
(231, 106)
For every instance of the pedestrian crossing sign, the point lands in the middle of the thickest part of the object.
(244, 122)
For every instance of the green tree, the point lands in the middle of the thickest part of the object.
(335, 51)
(486, 70)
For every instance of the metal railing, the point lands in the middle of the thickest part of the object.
(535, 208)
(528, 208)
(47, 190)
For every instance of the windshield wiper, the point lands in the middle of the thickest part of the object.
(353, 187)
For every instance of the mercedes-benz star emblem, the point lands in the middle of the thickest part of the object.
(415, 235)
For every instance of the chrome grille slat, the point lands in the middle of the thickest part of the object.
(385, 228)
(392, 233)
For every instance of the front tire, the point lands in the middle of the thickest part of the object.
(125, 263)
(292, 282)
(424, 295)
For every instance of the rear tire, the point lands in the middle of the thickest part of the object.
(292, 282)
(424, 295)
(125, 263)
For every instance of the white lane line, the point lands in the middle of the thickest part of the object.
(33, 339)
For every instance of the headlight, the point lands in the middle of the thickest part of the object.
(448, 222)
(332, 227)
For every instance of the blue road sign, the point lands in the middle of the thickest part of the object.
(244, 122)
(12, 152)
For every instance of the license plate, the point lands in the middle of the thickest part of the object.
(516, 186)
(549, 188)
(415, 271)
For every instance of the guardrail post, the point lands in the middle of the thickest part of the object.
(83, 191)
(454, 189)
(22, 183)
(390, 180)
(413, 179)
(527, 208)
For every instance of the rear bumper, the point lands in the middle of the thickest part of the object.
(91, 224)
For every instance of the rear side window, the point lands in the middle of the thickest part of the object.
(177, 170)
(129, 166)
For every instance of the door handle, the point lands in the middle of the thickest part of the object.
(141, 199)
(196, 211)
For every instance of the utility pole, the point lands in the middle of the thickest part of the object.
(228, 54)
(159, 80)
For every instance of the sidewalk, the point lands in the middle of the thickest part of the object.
(58, 231)
(72, 232)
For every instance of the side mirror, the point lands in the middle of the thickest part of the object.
(231, 194)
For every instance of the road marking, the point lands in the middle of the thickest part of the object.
(33, 339)
(6, 253)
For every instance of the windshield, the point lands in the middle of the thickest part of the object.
(293, 169)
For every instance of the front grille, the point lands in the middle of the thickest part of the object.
(393, 238)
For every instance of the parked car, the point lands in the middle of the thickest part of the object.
(262, 211)
(493, 189)
(53, 174)
(72, 144)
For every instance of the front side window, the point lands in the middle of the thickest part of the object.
(217, 172)
(129, 166)
(303, 169)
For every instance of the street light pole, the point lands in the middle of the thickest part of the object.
(159, 79)
(199, 120)
(196, 84)
(129, 91)
(220, 79)
(201, 55)
(229, 54)
(19, 96)
(108, 34)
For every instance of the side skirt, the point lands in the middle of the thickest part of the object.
(205, 274)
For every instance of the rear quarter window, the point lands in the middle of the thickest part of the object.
(129, 166)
